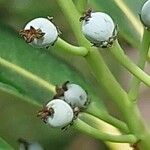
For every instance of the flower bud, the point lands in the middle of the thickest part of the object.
(145, 14)
(40, 33)
(99, 29)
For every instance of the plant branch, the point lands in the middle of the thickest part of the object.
(103, 115)
(68, 48)
(129, 110)
(104, 77)
(135, 84)
(72, 15)
(85, 128)
(123, 59)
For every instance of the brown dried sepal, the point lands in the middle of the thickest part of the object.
(60, 90)
(135, 146)
(87, 15)
(45, 113)
(30, 34)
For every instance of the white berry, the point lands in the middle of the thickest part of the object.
(24, 145)
(99, 29)
(63, 113)
(42, 26)
(31, 146)
(75, 95)
(145, 14)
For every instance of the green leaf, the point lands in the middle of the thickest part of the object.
(33, 72)
(4, 145)
(18, 120)
(125, 14)
(27, 9)
(27, 79)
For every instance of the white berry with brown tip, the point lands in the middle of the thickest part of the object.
(40, 33)
(99, 29)
(62, 113)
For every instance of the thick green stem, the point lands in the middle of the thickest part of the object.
(81, 5)
(135, 84)
(120, 97)
(124, 60)
(73, 16)
(94, 110)
(68, 48)
(83, 127)
(137, 126)
(104, 77)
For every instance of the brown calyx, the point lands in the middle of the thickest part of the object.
(45, 113)
(87, 15)
(30, 34)
(60, 90)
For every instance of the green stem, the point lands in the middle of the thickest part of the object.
(135, 84)
(83, 127)
(129, 110)
(81, 5)
(105, 78)
(123, 59)
(94, 59)
(68, 48)
(148, 57)
(103, 115)
(73, 16)
(137, 126)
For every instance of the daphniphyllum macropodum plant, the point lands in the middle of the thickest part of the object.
(72, 106)
(94, 31)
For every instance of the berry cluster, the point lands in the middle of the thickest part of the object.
(100, 30)
(65, 106)
(97, 27)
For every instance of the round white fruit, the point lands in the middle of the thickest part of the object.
(49, 30)
(99, 27)
(145, 14)
(63, 113)
(75, 95)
